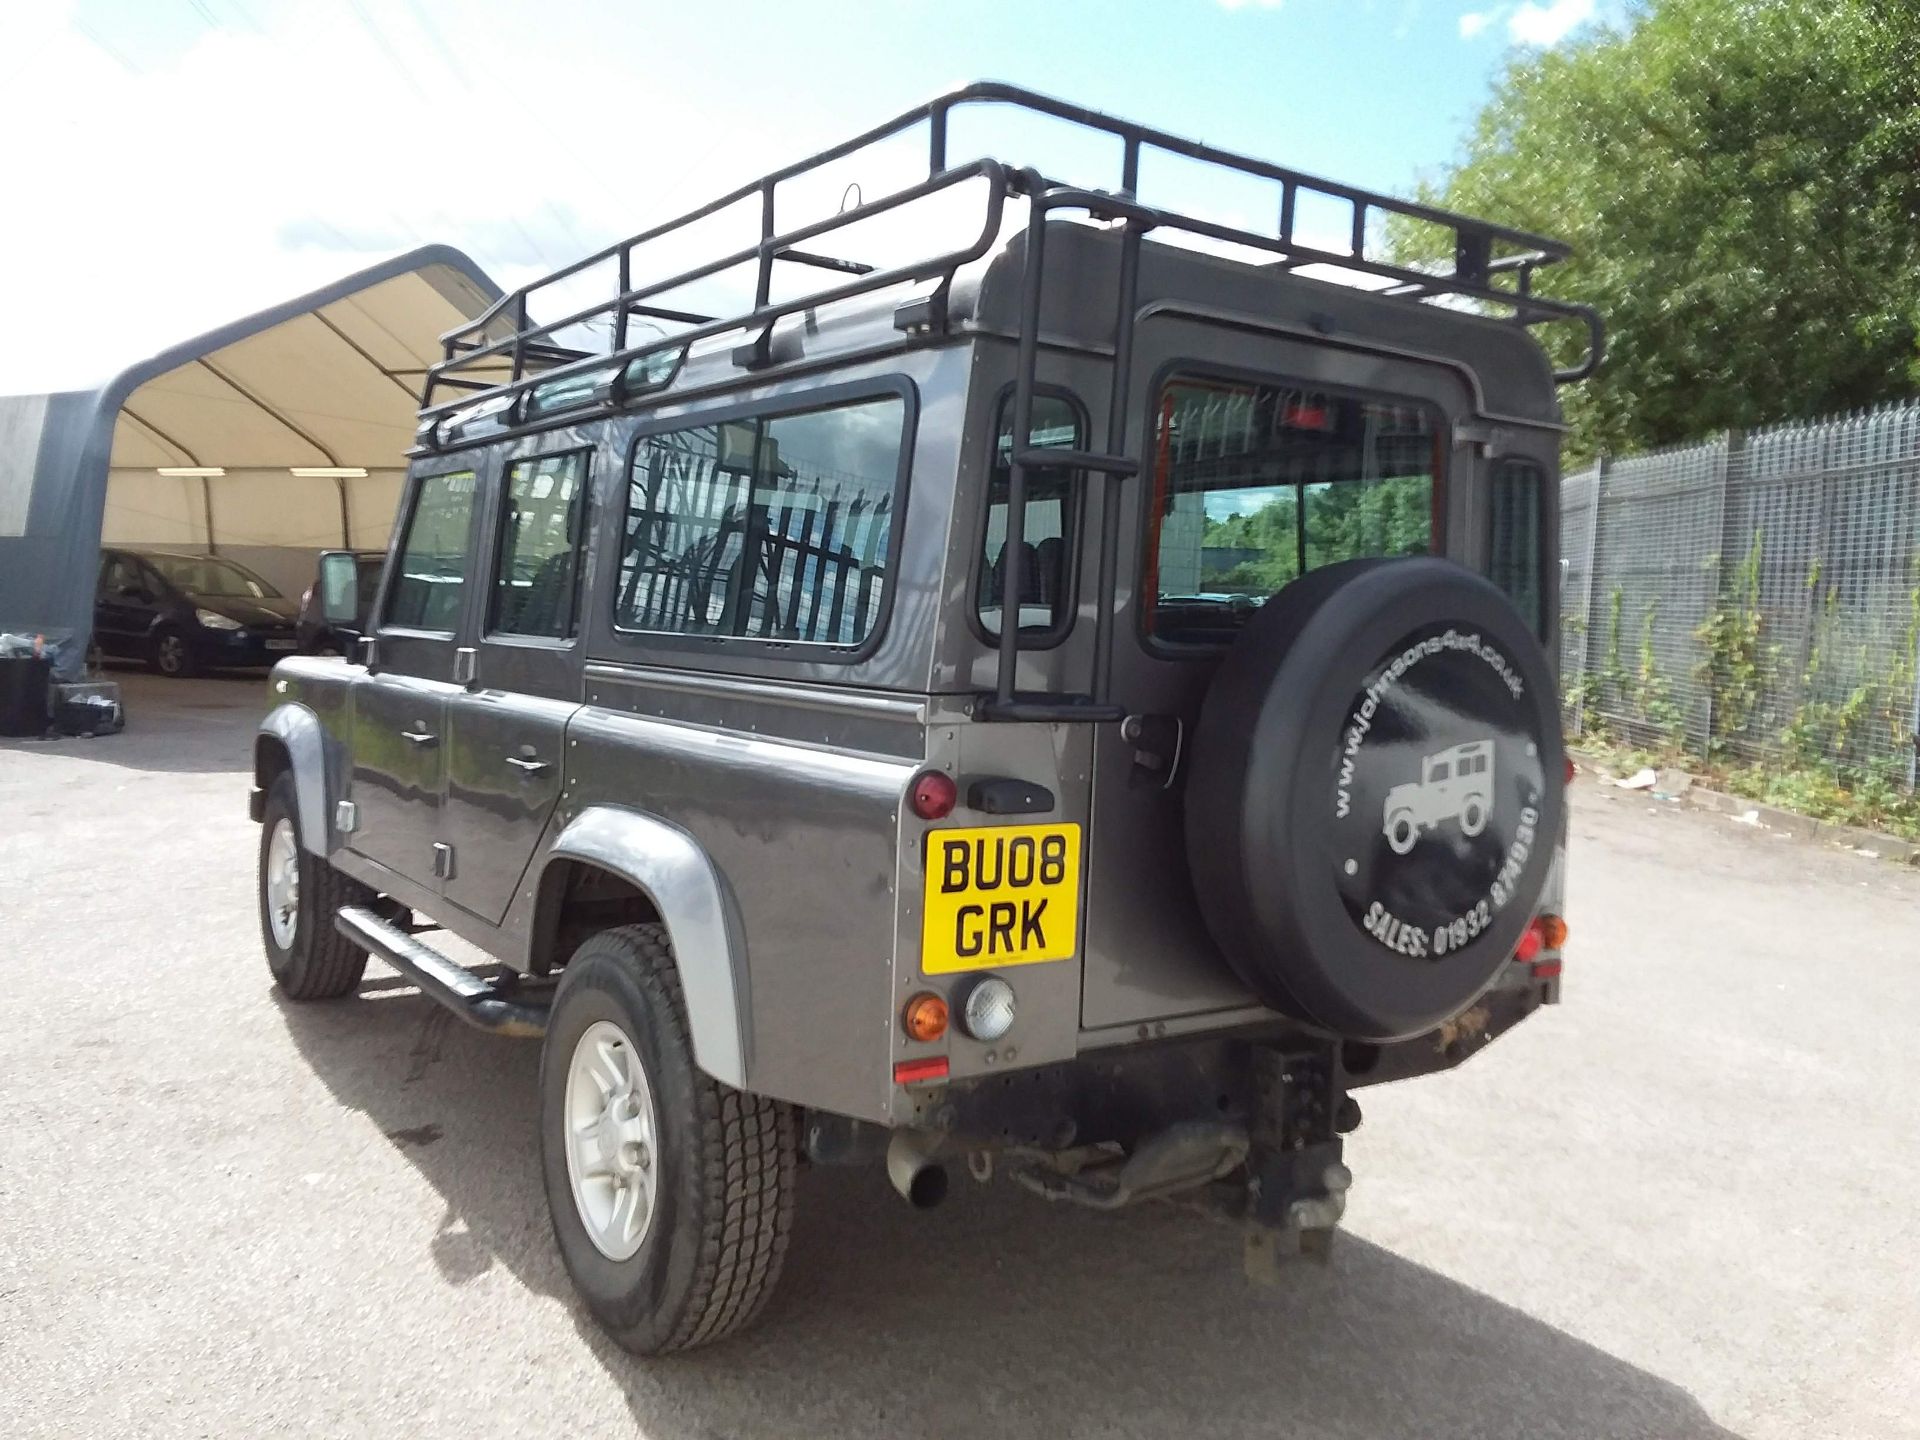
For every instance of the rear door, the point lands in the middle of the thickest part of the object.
(400, 706)
(1264, 457)
(507, 730)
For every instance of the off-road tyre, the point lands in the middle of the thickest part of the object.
(320, 963)
(723, 1205)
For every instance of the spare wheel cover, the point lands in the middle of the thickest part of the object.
(1375, 795)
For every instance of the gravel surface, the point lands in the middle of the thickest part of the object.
(1681, 1205)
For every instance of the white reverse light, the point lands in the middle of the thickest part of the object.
(987, 1012)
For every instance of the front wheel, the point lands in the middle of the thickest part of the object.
(172, 656)
(671, 1194)
(299, 895)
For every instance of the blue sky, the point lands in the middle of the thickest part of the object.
(210, 156)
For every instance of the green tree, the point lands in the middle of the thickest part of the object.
(1741, 181)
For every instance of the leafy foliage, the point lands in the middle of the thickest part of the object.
(1741, 180)
(1385, 517)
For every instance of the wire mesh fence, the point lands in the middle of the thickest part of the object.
(1754, 598)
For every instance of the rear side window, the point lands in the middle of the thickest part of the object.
(433, 555)
(536, 585)
(776, 528)
(1255, 483)
(1048, 537)
(1514, 558)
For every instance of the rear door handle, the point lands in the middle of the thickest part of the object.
(527, 765)
(420, 737)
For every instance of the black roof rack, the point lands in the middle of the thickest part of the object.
(509, 368)
(505, 352)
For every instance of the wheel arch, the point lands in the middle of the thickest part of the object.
(667, 877)
(291, 739)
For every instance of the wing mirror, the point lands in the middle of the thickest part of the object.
(339, 587)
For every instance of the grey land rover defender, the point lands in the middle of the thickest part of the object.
(1071, 705)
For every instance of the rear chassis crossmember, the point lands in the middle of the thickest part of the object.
(1273, 1107)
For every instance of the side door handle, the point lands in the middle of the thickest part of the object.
(422, 737)
(527, 764)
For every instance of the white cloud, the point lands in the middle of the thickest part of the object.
(1474, 21)
(161, 195)
(1543, 25)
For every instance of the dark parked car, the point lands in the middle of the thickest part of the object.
(319, 636)
(184, 613)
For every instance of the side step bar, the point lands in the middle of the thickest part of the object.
(482, 1003)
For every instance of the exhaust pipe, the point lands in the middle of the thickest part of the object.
(913, 1171)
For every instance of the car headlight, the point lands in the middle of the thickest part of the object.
(214, 620)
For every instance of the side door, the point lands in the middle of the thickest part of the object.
(400, 702)
(119, 616)
(507, 730)
(1267, 457)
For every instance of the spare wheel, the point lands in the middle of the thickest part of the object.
(1375, 794)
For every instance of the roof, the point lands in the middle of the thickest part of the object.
(330, 378)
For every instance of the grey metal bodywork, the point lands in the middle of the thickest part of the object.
(756, 794)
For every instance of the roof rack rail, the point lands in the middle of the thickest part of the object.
(509, 369)
(504, 353)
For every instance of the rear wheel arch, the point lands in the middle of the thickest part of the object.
(612, 866)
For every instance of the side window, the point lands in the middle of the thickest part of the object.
(426, 592)
(1048, 539)
(777, 528)
(536, 581)
(1257, 483)
(119, 577)
(1518, 512)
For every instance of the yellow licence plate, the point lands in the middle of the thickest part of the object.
(1004, 895)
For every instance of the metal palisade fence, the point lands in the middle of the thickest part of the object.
(1754, 598)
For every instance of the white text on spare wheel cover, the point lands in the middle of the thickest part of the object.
(1361, 720)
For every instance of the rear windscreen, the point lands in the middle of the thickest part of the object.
(1256, 483)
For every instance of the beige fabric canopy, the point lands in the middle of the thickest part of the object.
(334, 388)
(323, 382)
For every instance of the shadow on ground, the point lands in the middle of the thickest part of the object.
(997, 1315)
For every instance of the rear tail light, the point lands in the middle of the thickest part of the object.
(933, 794)
(915, 1072)
(1547, 932)
(1571, 769)
(925, 1018)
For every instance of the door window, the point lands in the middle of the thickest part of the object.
(775, 528)
(1048, 539)
(120, 576)
(1255, 483)
(1514, 560)
(536, 583)
(432, 572)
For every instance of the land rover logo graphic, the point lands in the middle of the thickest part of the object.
(1436, 793)
(1455, 784)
